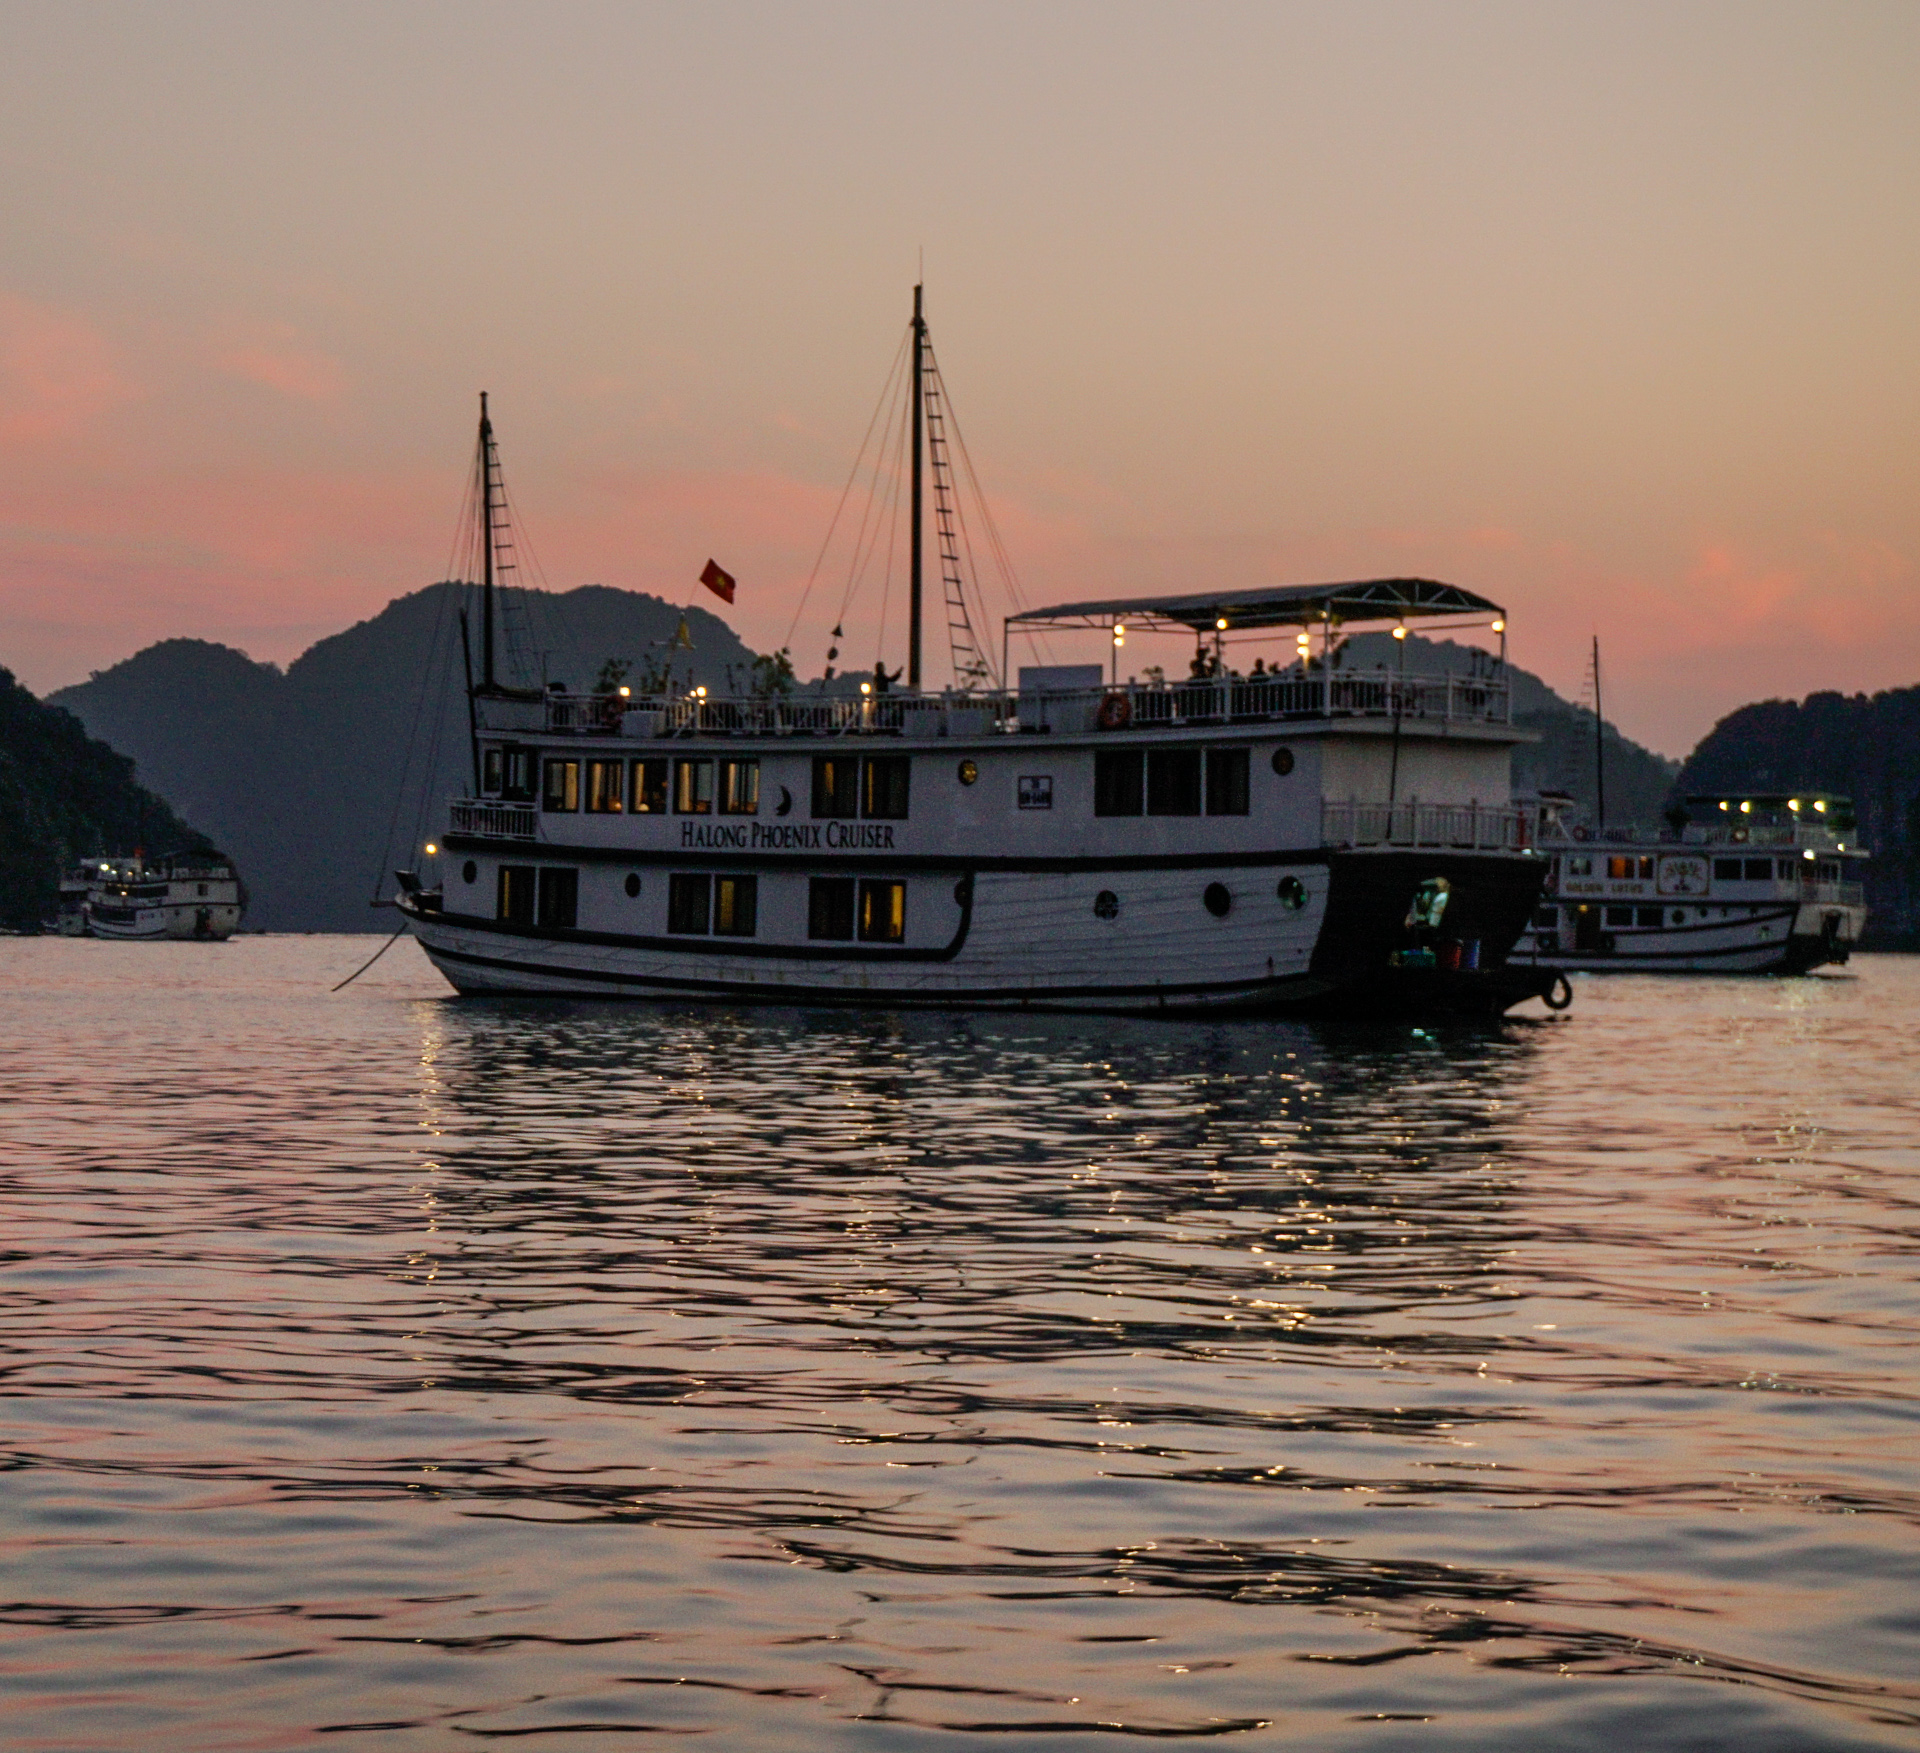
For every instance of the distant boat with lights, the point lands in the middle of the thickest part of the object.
(1306, 836)
(187, 895)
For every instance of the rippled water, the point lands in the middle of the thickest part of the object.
(386, 1370)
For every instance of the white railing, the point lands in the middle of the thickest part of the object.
(1469, 827)
(498, 821)
(1382, 694)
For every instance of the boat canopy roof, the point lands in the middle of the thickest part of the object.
(1286, 605)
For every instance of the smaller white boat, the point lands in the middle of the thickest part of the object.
(1753, 883)
(180, 895)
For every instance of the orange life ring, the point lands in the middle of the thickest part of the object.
(1116, 711)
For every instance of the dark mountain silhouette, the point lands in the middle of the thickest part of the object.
(319, 779)
(1866, 748)
(63, 797)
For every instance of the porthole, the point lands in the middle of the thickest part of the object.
(963, 891)
(633, 884)
(1219, 899)
(1292, 892)
(1283, 761)
(969, 772)
(1106, 905)
(468, 872)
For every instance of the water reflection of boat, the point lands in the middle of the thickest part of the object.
(178, 895)
(1744, 884)
(1301, 836)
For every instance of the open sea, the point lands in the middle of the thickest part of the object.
(386, 1370)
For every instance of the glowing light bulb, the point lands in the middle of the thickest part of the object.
(626, 693)
(1793, 803)
(1819, 803)
(1399, 632)
(1221, 624)
(1499, 626)
(431, 849)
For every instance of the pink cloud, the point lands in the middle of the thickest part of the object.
(57, 372)
(275, 362)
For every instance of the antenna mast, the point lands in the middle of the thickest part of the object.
(1599, 743)
(919, 399)
(486, 547)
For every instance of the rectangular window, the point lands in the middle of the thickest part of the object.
(650, 788)
(884, 796)
(559, 897)
(606, 787)
(1546, 918)
(739, 788)
(1226, 782)
(830, 908)
(1646, 870)
(516, 894)
(693, 788)
(736, 904)
(1619, 915)
(1173, 782)
(836, 786)
(1786, 870)
(1619, 866)
(1726, 870)
(492, 772)
(517, 783)
(883, 912)
(1646, 917)
(689, 903)
(1118, 782)
(562, 788)
(1582, 866)
(1759, 870)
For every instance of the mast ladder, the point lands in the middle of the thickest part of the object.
(970, 668)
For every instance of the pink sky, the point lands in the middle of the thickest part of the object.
(1607, 312)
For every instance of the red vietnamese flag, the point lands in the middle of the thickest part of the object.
(717, 581)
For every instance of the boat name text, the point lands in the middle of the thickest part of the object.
(787, 836)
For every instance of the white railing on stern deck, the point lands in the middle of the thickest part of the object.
(1477, 827)
(498, 821)
(1380, 694)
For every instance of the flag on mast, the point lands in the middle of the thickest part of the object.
(718, 581)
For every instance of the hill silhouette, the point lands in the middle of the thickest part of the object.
(317, 779)
(65, 796)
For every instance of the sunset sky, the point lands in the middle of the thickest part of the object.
(1609, 311)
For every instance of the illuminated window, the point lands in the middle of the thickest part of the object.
(740, 789)
(650, 788)
(735, 905)
(606, 787)
(561, 790)
(883, 912)
(883, 795)
(516, 894)
(693, 788)
(836, 786)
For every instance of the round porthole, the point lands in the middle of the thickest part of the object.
(633, 884)
(1283, 762)
(1106, 905)
(963, 891)
(969, 772)
(1292, 892)
(469, 871)
(1218, 899)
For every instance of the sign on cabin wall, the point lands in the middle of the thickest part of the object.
(1683, 874)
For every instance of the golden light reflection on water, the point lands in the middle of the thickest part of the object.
(564, 1372)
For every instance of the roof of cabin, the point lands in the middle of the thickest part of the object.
(1378, 599)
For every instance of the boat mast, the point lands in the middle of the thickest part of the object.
(486, 547)
(919, 400)
(1599, 744)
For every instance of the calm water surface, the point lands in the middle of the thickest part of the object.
(384, 1370)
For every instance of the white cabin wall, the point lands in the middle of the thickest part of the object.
(1431, 769)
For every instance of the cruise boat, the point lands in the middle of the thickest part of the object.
(1747, 883)
(1305, 837)
(182, 895)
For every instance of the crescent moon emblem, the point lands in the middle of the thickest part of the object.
(786, 802)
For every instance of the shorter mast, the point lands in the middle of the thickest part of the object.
(486, 548)
(1599, 745)
(914, 564)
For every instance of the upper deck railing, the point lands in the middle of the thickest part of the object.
(1286, 698)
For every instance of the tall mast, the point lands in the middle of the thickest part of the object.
(486, 546)
(1599, 741)
(919, 400)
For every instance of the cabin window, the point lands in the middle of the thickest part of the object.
(689, 903)
(559, 897)
(1726, 870)
(1619, 915)
(561, 790)
(1582, 866)
(884, 795)
(836, 786)
(740, 788)
(517, 785)
(491, 774)
(693, 788)
(1226, 782)
(1830, 873)
(1118, 782)
(883, 912)
(516, 894)
(1784, 870)
(830, 908)
(1173, 782)
(736, 905)
(1759, 870)
(1647, 917)
(650, 788)
(1629, 868)
(1546, 918)
(606, 787)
